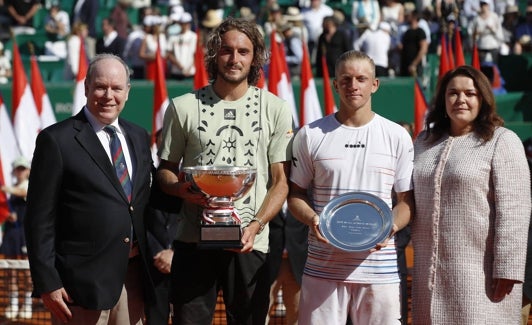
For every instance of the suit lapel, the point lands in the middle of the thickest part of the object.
(90, 142)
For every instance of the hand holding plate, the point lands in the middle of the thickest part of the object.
(356, 221)
(315, 227)
(384, 243)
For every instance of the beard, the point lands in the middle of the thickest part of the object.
(233, 78)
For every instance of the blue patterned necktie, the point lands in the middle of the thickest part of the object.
(119, 161)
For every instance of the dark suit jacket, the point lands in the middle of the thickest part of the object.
(116, 47)
(78, 223)
(161, 219)
(161, 226)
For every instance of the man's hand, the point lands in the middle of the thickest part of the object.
(163, 260)
(384, 243)
(55, 302)
(502, 288)
(248, 238)
(315, 228)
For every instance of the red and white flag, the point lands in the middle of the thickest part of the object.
(160, 102)
(262, 81)
(42, 101)
(9, 150)
(79, 92)
(450, 55)
(458, 48)
(444, 58)
(328, 97)
(310, 108)
(201, 78)
(475, 59)
(420, 109)
(4, 205)
(26, 120)
(278, 79)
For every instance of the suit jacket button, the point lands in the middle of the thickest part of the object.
(131, 208)
(126, 240)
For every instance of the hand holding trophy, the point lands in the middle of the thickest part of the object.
(222, 185)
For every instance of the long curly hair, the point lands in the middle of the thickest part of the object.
(261, 55)
(484, 125)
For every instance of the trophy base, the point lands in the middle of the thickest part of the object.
(220, 236)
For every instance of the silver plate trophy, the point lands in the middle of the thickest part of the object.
(223, 185)
(356, 221)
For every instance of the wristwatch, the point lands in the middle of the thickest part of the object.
(261, 224)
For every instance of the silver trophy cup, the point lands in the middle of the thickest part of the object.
(223, 185)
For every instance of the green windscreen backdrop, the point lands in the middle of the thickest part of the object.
(393, 100)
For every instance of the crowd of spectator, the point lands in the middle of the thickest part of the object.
(398, 35)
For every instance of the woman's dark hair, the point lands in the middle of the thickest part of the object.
(261, 55)
(438, 123)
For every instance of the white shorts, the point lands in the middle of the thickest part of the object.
(329, 302)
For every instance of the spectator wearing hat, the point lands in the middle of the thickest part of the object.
(173, 27)
(448, 29)
(510, 20)
(154, 38)
(210, 13)
(212, 19)
(294, 17)
(252, 5)
(345, 25)
(487, 34)
(266, 11)
(376, 44)
(275, 19)
(247, 14)
(294, 49)
(181, 50)
(5, 66)
(14, 241)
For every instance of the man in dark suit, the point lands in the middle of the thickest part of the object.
(110, 42)
(161, 226)
(85, 232)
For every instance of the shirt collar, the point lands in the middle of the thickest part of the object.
(97, 125)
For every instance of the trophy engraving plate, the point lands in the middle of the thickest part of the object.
(356, 221)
